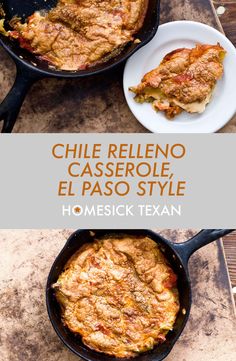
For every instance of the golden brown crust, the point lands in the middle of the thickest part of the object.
(78, 34)
(119, 294)
(184, 79)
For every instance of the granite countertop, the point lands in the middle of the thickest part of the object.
(27, 335)
(94, 104)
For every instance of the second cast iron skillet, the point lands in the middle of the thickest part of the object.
(177, 254)
(31, 69)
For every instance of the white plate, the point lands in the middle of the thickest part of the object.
(171, 36)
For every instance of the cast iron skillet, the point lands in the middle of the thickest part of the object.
(178, 255)
(30, 68)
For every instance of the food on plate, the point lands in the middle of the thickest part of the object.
(119, 294)
(184, 80)
(78, 34)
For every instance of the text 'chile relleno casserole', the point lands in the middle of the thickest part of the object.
(78, 34)
(119, 295)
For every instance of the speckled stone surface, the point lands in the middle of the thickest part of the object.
(94, 104)
(27, 335)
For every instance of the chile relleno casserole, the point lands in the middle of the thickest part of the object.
(78, 34)
(184, 81)
(119, 294)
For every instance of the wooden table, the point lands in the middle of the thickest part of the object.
(228, 18)
(230, 252)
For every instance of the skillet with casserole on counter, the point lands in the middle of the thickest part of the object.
(176, 256)
(33, 65)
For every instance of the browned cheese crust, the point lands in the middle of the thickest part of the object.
(77, 34)
(119, 294)
(184, 80)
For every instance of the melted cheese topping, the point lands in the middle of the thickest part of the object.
(194, 107)
(119, 294)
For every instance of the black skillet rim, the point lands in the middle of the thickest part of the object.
(153, 236)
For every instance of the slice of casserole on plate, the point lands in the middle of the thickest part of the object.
(184, 80)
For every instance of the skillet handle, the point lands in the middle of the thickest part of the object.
(205, 236)
(10, 106)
